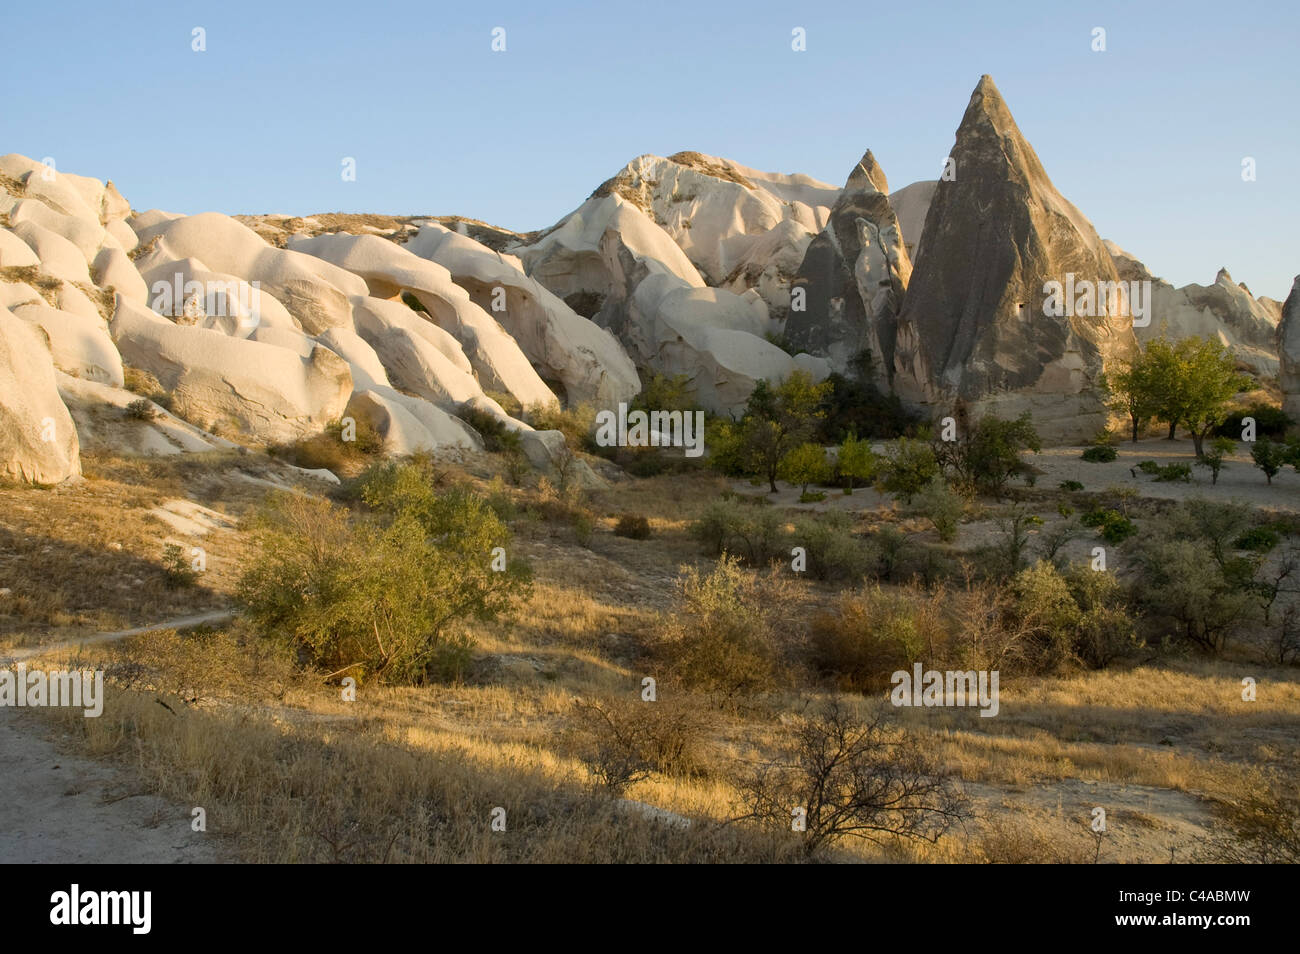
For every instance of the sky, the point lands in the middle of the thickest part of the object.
(1147, 137)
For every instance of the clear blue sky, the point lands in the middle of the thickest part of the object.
(1146, 138)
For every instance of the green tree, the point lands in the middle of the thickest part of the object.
(1268, 457)
(1131, 391)
(910, 467)
(1213, 458)
(1161, 368)
(987, 455)
(1209, 380)
(778, 419)
(804, 465)
(855, 461)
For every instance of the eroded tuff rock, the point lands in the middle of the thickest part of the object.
(854, 277)
(38, 441)
(740, 227)
(973, 323)
(586, 359)
(1288, 341)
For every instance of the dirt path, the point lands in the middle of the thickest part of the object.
(182, 622)
(62, 808)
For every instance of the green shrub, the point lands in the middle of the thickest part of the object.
(1100, 454)
(814, 496)
(179, 570)
(632, 526)
(753, 534)
(1270, 422)
(830, 546)
(376, 596)
(939, 504)
(720, 640)
(1257, 540)
(1111, 525)
(910, 467)
(1071, 485)
(140, 410)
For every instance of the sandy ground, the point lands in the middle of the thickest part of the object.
(59, 808)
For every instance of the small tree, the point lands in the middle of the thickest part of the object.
(804, 465)
(778, 419)
(1131, 392)
(1268, 457)
(855, 461)
(853, 778)
(1213, 458)
(985, 456)
(1165, 382)
(1209, 379)
(941, 506)
(911, 466)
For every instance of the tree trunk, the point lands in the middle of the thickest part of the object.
(1198, 439)
(1173, 425)
(1135, 429)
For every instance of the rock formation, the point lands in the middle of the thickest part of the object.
(1288, 346)
(854, 277)
(973, 324)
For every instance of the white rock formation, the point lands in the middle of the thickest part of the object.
(566, 347)
(38, 441)
(269, 393)
(79, 345)
(389, 269)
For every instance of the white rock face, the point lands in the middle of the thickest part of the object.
(59, 258)
(191, 293)
(1224, 310)
(270, 393)
(164, 435)
(79, 345)
(586, 359)
(113, 269)
(389, 269)
(608, 254)
(85, 233)
(409, 425)
(38, 441)
(14, 252)
(314, 291)
(414, 353)
(740, 227)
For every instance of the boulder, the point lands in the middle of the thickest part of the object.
(113, 269)
(409, 425)
(38, 441)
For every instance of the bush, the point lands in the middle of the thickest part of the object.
(1100, 454)
(941, 506)
(344, 444)
(1113, 526)
(1076, 617)
(854, 778)
(1071, 485)
(910, 467)
(140, 410)
(754, 534)
(720, 640)
(831, 548)
(377, 596)
(1269, 457)
(622, 742)
(1270, 422)
(632, 526)
(1257, 540)
(812, 497)
(179, 571)
(984, 457)
(872, 634)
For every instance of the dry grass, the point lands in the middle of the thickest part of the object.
(290, 772)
